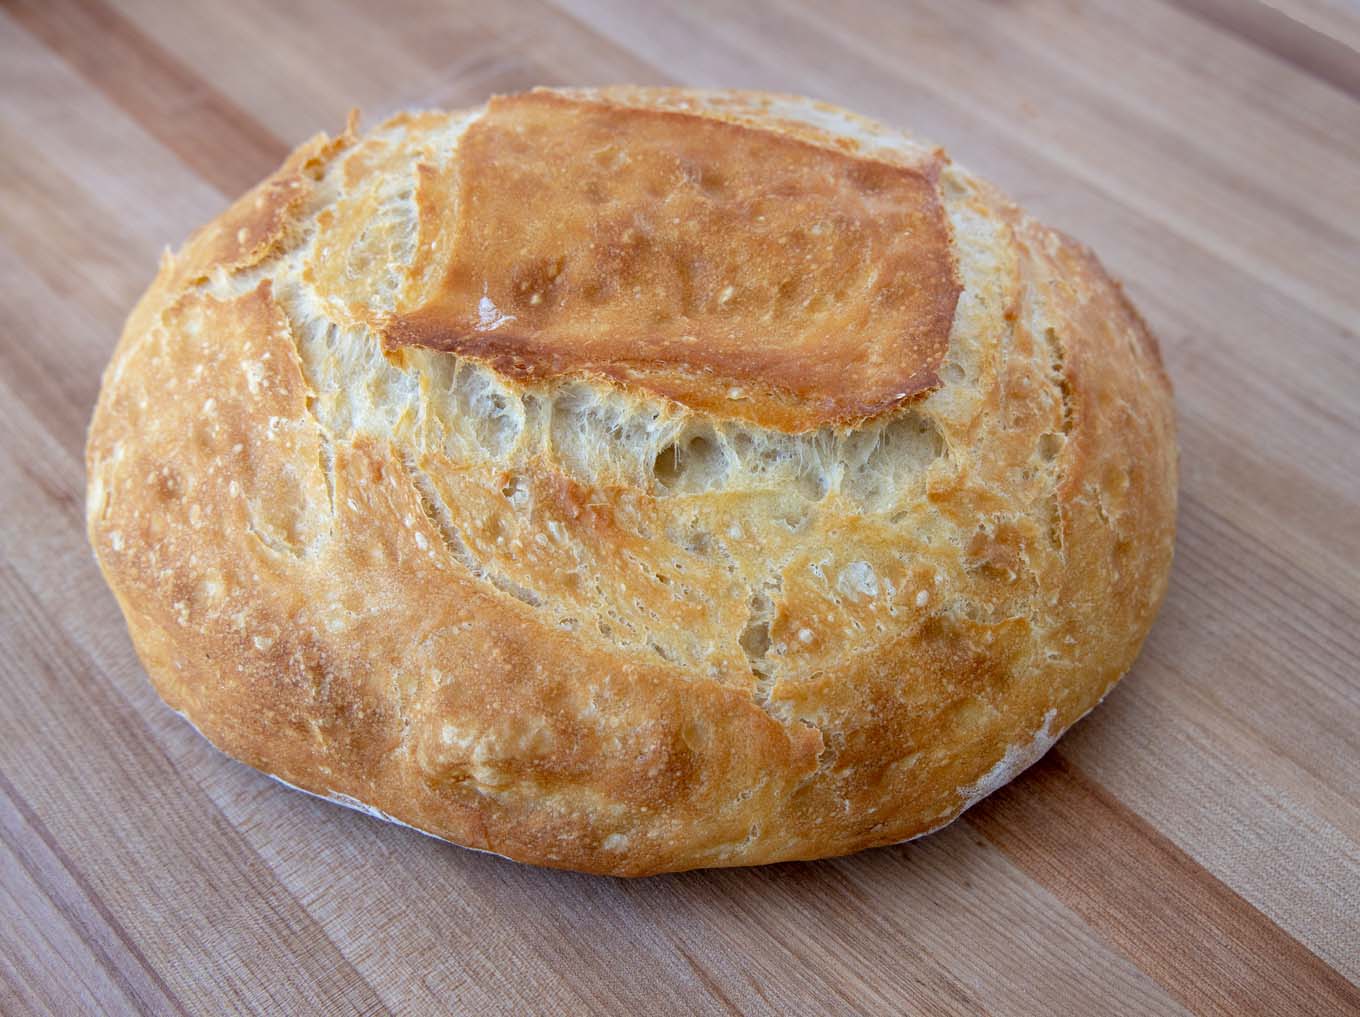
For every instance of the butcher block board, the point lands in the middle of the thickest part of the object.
(1191, 847)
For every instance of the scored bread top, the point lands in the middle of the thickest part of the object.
(737, 269)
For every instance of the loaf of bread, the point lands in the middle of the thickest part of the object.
(631, 480)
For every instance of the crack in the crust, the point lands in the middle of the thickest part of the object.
(755, 642)
(272, 268)
(273, 543)
(1057, 372)
(1098, 497)
(326, 460)
(1057, 361)
(440, 516)
(284, 299)
(1053, 522)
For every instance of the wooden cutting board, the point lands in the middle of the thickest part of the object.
(1193, 846)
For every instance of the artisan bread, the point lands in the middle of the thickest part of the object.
(631, 480)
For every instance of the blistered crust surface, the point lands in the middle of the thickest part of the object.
(575, 622)
(739, 270)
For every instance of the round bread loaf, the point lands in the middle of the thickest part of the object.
(631, 480)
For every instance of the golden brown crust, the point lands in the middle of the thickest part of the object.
(583, 625)
(740, 271)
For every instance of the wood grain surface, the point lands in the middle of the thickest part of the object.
(1192, 847)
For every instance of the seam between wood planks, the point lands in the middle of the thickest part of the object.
(1301, 46)
(206, 130)
(81, 924)
(1072, 836)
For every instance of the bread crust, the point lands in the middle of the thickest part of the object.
(742, 272)
(596, 619)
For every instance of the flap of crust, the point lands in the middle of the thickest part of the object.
(742, 272)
